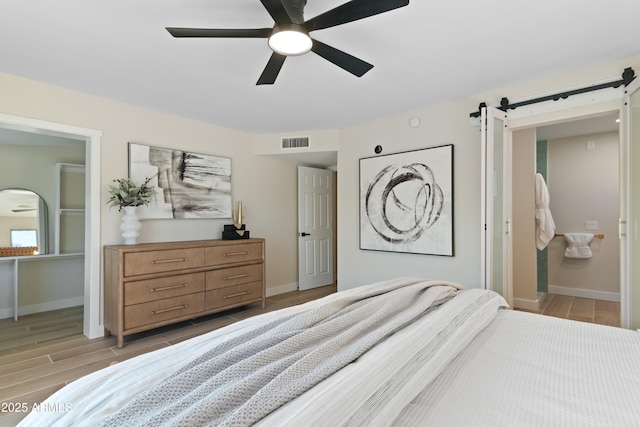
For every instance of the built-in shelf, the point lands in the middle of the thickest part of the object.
(67, 205)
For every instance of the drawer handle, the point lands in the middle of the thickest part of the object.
(166, 288)
(169, 309)
(235, 253)
(164, 261)
(236, 295)
(238, 276)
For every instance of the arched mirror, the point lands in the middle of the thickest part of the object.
(23, 223)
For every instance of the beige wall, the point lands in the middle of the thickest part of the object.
(319, 141)
(267, 184)
(523, 219)
(444, 124)
(441, 124)
(50, 284)
(584, 185)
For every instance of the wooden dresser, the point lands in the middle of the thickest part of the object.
(156, 284)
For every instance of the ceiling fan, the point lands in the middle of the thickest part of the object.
(290, 34)
(23, 209)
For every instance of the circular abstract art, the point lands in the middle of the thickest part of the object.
(402, 202)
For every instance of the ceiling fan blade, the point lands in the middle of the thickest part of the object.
(355, 66)
(270, 72)
(214, 32)
(278, 11)
(352, 11)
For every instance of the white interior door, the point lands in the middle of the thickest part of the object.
(315, 227)
(630, 226)
(496, 203)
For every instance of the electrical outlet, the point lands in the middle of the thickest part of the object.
(591, 224)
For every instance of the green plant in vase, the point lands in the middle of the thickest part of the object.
(127, 196)
(126, 193)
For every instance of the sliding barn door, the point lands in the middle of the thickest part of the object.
(630, 226)
(496, 206)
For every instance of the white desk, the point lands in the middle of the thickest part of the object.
(16, 260)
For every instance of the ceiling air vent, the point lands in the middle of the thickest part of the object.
(295, 142)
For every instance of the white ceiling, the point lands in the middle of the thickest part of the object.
(588, 126)
(423, 54)
(16, 202)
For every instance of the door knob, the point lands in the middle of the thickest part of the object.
(304, 234)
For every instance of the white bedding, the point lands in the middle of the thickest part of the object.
(498, 367)
(526, 369)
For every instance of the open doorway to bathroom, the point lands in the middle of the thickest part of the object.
(579, 161)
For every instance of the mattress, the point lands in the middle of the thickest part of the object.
(470, 362)
(526, 369)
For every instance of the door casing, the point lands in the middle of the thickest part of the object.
(575, 108)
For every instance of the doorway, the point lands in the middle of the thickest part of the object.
(316, 227)
(92, 326)
(579, 161)
(616, 101)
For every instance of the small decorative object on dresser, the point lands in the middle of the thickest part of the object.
(236, 230)
(157, 284)
(126, 195)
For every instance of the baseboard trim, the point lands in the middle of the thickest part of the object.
(526, 304)
(282, 289)
(584, 293)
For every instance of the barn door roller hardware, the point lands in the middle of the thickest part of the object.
(628, 75)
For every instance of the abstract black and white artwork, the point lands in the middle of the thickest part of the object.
(188, 185)
(406, 202)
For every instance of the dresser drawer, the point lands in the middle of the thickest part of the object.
(233, 276)
(164, 287)
(234, 295)
(228, 254)
(159, 261)
(162, 310)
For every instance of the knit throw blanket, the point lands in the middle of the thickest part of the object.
(241, 380)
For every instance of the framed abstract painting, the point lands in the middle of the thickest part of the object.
(406, 202)
(188, 185)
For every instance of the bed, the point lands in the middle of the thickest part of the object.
(403, 352)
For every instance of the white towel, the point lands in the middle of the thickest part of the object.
(578, 245)
(545, 227)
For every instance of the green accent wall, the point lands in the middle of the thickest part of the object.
(543, 268)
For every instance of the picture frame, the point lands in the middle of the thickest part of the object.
(188, 184)
(406, 202)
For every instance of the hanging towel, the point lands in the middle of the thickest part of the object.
(545, 227)
(578, 245)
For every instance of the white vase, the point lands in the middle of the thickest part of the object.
(130, 225)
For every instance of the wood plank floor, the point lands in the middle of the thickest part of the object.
(40, 353)
(582, 309)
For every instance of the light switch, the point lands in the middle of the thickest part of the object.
(591, 224)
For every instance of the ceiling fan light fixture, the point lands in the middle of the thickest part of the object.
(290, 40)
